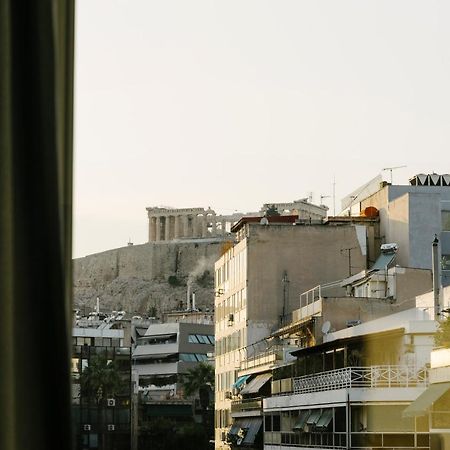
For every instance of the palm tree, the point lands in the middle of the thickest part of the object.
(200, 376)
(200, 380)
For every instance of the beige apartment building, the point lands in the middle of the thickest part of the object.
(258, 281)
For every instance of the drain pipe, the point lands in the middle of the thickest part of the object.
(436, 278)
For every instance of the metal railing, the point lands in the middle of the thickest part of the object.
(354, 377)
(246, 404)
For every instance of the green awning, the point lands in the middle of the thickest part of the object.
(240, 381)
(301, 421)
(420, 406)
(325, 419)
(314, 417)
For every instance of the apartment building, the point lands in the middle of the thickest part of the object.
(410, 215)
(102, 420)
(257, 282)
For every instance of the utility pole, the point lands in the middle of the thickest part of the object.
(349, 255)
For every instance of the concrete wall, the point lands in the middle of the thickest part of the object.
(310, 255)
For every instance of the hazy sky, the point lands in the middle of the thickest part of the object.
(232, 104)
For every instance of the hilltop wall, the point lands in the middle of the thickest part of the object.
(136, 278)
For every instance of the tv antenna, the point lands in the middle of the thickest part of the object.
(322, 197)
(391, 169)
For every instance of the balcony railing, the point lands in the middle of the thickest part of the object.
(360, 377)
(338, 440)
(248, 404)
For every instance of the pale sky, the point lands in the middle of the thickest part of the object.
(232, 104)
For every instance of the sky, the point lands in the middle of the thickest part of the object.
(232, 104)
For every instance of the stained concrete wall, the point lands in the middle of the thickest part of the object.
(310, 255)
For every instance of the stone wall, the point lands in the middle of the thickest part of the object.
(143, 278)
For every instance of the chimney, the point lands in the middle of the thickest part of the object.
(436, 278)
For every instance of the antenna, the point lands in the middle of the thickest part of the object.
(334, 195)
(391, 169)
(322, 197)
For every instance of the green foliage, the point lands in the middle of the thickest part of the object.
(205, 280)
(272, 211)
(174, 281)
(101, 379)
(198, 377)
(442, 336)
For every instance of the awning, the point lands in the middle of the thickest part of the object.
(325, 419)
(256, 384)
(301, 422)
(244, 430)
(313, 417)
(422, 403)
(240, 381)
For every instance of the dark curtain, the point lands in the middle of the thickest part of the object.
(36, 103)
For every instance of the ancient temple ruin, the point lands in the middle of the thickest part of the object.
(167, 224)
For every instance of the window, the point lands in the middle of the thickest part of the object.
(445, 220)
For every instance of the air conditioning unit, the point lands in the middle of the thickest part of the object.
(86, 427)
(111, 402)
(111, 427)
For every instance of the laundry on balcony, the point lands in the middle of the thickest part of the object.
(424, 401)
(256, 384)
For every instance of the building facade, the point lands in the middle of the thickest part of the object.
(101, 420)
(257, 283)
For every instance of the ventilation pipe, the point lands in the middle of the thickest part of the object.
(188, 298)
(436, 278)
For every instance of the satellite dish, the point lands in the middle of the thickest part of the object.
(264, 221)
(326, 327)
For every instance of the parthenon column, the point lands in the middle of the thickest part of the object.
(214, 225)
(151, 229)
(224, 226)
(205, 226)
(177, 227)
(186, 226)
(167, 228)
(158, 228)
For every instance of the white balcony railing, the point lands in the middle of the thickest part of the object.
(354, 377)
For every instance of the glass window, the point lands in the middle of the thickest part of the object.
(193, 339)
(211, 339)
(445, 220)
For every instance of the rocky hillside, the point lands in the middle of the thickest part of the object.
(148, 279)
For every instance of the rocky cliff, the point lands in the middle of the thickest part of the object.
(148, 279)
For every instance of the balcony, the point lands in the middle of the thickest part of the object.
(246, 405)
(357, 377)
(338, 440)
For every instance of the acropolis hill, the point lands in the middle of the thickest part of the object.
(153, 277)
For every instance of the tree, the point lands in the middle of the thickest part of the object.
(442, 336)
(100, 378)
(200, 376)
(272, 211)
(98, 381)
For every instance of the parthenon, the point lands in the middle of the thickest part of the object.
(166, 224)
